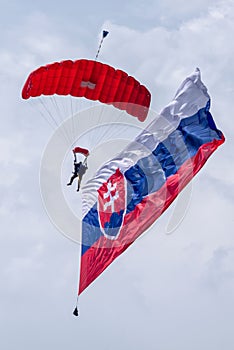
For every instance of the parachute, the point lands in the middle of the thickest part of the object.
(94, 81)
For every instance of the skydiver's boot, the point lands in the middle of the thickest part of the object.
(70, 182)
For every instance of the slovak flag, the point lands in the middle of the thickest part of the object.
(132, 190)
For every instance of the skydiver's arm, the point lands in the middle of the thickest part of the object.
(75, 160)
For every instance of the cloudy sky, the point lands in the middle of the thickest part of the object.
(166, 292)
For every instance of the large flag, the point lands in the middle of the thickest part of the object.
(132, 190)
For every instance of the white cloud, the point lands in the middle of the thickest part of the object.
(171, 281)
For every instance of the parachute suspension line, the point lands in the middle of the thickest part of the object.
(53, 122)
(72, 116)
(75, 107)
(50, 121)
(108, 129)
(68, 112)
(57, 107)
(42, 114)
(45, 107)
(104, 34)
(100, 135)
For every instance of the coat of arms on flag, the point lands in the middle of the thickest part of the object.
(112, 205)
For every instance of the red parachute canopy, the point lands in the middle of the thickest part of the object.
(84, 151)
(93, 80)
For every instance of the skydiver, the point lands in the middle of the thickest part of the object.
(79, 170)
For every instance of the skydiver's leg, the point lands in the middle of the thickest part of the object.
(72, 179)
(79, 181)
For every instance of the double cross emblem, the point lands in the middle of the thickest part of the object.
(110, 189)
